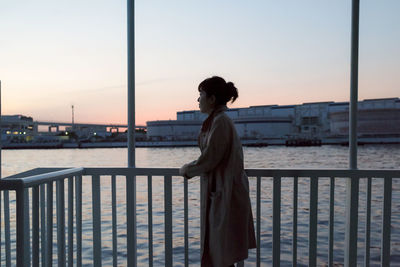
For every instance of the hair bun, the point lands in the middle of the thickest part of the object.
(232, 91)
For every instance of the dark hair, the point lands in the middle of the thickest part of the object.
(218, 87)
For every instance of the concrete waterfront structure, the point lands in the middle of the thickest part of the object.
(379, 119)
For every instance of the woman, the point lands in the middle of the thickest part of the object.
(227, 230)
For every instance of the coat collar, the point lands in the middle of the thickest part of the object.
(207, 123)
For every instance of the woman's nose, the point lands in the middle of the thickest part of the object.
(198, 99)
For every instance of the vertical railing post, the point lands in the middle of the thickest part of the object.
(49, 247)
(27, 225)
(150, 217)
(186, 219)
(114, 220)
(0, 168)
(331, 220)
(22, 253)
(131, 220)
(352, 190)
(60, 213)
(367, 222)
(312, 234)
(43, 235)
(168, 219)
(386, 219)
(96, 215)
(1, 144)
(353, 182)
(258, 219)
(7, 236)
(295, 206)
(35, 226)
(276, 222)
(78, 203)
(0, 230)
(70, 221)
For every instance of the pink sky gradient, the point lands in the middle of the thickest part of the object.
(55, 54)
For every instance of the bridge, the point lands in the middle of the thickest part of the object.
(78, 126)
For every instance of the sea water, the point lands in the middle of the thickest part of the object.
(369, 157)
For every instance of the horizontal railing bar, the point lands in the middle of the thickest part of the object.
(31, 181)
(132, 171)
(11, 183)
(338, 173)
(322, 173)
(36, 171)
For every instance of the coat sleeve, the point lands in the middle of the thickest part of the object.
(215, 150)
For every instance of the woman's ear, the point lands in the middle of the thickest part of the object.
(213, 99)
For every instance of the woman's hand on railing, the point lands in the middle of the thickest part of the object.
(183, 171)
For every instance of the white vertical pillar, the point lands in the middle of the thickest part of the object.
(354, 84)
(131, 180)
(352, 186)
(131, 83)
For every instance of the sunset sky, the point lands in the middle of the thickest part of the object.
(58, 53)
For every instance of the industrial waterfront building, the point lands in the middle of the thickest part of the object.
(305, 124)
(379, 121)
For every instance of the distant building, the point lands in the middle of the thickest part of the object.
(17, 128)
(376, 117)
(309, 120)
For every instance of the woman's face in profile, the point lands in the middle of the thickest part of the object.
(206, 104)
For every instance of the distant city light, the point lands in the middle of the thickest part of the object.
(66, 133)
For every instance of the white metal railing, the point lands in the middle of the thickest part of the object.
(34, 240)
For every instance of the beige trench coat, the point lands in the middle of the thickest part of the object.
(227, 230)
